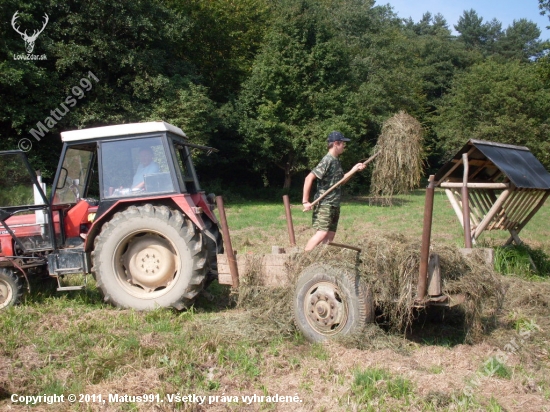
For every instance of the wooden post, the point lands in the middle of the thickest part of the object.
(289, 224)
(434, 276)
(426, 237)
(466, 204)
(233, 269)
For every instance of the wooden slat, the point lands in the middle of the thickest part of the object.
(457, 164)
(456, 207)
(529, 202)
(491, 214)
(513, 208)
(476, 211)
(502, 216)
(530, 216)
(483, 194)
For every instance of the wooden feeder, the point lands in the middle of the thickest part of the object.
(494, 186)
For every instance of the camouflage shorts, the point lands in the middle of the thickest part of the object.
(325, 218)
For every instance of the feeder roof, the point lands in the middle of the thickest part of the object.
(517, 163)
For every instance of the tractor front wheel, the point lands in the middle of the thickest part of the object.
(148, 257)
(331, 302)
(11, 288)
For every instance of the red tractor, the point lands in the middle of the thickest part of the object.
(125, 205)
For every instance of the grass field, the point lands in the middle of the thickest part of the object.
(217, 356)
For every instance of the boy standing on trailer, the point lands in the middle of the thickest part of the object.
(328, 172)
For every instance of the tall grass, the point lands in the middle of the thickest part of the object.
(522, 260)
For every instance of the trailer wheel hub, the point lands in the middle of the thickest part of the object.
(326, 311)
(149, 262)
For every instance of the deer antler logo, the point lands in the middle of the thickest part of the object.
(29, 40)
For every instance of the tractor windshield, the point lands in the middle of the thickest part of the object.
(135, 167)
(73, 176)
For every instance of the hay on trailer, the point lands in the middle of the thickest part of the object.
(266, 311)
(390, 264)
(398, 167)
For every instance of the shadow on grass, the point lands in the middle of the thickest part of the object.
(44, 289)
(380, 201)
(439, 326)
(215, 298)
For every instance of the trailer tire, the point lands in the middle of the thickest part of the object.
(11, 288)
(149, 256)
(331, 302)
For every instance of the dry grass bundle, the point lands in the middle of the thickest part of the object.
(267, 311)
(389, 263)
(398, 167)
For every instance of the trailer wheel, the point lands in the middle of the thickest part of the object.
(148, 257)
(331, 302)
(11, 288)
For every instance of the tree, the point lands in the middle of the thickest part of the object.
(476, 34)
(297, 89)
(128, 47)
(222, 40)
(521, 41)
(502, 101)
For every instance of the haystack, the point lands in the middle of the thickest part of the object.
(398, 166)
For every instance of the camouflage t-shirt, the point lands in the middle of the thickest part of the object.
(328, 172)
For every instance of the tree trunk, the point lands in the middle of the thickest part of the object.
(288, 179)
(287, 169)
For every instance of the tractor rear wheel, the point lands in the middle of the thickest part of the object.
(11, 288)
(149, 256)
(331, 302)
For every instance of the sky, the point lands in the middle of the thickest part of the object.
(505, 11)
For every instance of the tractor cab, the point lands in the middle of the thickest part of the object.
(125, 162)
(106, 167)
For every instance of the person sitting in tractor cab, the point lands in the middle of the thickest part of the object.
(146, 167)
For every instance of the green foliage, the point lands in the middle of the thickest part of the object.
(494, 367)
(522, 261)
(505, 102)
(266, 81)
(375, 383)
(224, 37)
(297, 88)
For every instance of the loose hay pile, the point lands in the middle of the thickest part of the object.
(390, 264)
(398, 167)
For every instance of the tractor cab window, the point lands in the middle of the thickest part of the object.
(73, 176)
(185, 163)
(135, 167)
